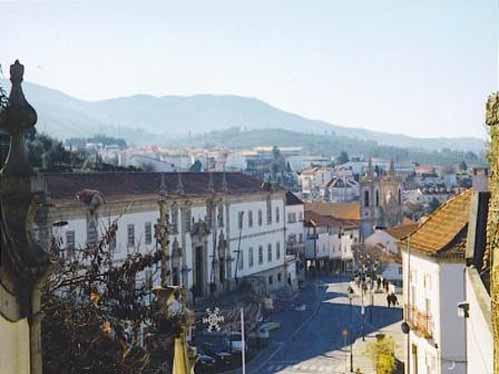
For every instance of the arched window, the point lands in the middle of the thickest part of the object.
(366, 198)
(377, 197)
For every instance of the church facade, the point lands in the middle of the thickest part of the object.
(381, 200)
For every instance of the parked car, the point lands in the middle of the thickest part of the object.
(235, 343)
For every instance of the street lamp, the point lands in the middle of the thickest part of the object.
(350, 297)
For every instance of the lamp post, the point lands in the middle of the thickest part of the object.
(350, 297)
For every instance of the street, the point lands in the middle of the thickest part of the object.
(318, 343)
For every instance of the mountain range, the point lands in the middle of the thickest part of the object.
(145, 119)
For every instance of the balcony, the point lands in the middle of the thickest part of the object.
(421, 323)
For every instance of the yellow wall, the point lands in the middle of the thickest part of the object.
(14, 347)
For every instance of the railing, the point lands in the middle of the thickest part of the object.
(421, 323)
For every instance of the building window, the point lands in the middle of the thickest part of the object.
(148, 232)
(400, 197)
(260, 255)
(250, 257)
(241, 259)
(148, 279)
(240, 220)
(186, 219)
(269, 253)
(377, 198)
(220, 216)
(210, 209)
(70, 242)
(174, 219)
(300, 216)
(291, 217)
(300, 238)
(278, 250)
(112, 245)
(250, 218)
(269, 211)
(91, 233)
(277, 214)
(260, 217)
(271, 279)
(279, 277)
(130, 235)
(366, 199)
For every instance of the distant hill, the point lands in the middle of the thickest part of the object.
(144, 119)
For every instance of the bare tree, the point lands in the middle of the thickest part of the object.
(98, 317)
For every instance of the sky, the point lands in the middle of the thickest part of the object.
(422, 68)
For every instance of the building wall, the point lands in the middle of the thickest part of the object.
(239, 241)
(424, 285)
(383, 238)
(479, 334)
(436, 287)
(451, 324)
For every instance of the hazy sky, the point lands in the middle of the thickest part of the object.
(422, 68)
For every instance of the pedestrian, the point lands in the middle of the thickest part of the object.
(389, 300)
(378, 282)
(395, 301)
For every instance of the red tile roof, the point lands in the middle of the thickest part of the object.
(402, 231)
(120, 184)
(346, 211)
(443, 233)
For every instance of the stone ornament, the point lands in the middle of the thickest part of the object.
(492, 110)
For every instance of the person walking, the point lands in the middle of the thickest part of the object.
(389, 300)
(395, 300)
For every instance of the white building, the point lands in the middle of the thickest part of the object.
(331, 232)
(295, 231)
(313, 179)
(479, 329)
(433, 264)
(224, 228)
(341, 190)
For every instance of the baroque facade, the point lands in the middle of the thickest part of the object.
(223, 227)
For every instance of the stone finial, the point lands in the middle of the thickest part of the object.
(180, 184)
(211, 183)
(18, 117)
(492, 110)
(163, 191)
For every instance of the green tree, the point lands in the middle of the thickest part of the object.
(382, 354)
(342, 158)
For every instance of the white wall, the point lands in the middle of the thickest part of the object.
(251, 237)
(383, 238)
(441, 285)
(479, 335)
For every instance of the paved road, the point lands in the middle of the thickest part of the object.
(315, 343)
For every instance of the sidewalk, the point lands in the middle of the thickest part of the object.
(360, 358)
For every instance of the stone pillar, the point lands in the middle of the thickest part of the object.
(492, 252)
(24, 262)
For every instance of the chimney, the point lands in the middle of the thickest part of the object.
(480, 179)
